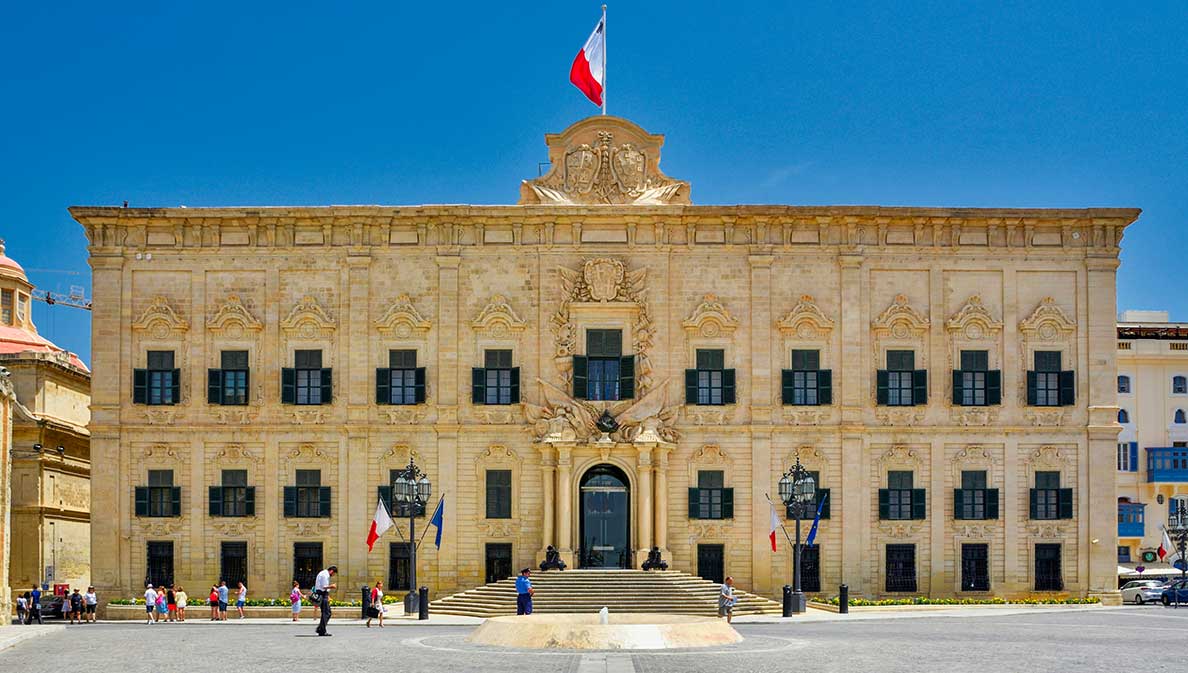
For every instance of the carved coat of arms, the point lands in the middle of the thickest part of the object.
(603, 277)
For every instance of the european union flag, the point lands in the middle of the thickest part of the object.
(816, 520)
(437, 519)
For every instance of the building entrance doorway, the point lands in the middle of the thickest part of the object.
(605, 518)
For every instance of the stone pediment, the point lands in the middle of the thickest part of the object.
(604, 160)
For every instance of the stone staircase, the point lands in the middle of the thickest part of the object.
(586, 591)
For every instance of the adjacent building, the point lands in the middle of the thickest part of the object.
(606, 368)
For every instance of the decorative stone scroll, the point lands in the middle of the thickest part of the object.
(1048, 322)
(498, 319)
(710, 319)
(900, 321)
(806, 320)
(307, 320)
(973, 321)
(233, 319)
(160, 320)
(403, 319)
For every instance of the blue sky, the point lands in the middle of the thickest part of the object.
(264, 103)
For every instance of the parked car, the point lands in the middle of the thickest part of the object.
(1140, 592)
(1176, 591)
(51, 606)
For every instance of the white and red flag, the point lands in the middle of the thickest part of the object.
(1165, 545)
(588, 72)
(775, 525)
(379, 525)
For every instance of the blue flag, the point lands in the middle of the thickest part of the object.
(436, 521)
(816, 520)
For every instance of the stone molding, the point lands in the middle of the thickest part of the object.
(403, 319)
(160, 319)
(710, 319)
(232, 318)
(307, 320)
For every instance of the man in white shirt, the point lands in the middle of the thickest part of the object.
(321, 592)
(150, 604)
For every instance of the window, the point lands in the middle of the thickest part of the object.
(399, 567)
(6, 306)
(1128, 456)
(1179, 385)
(975, 384)
(899, 500)
(498, 561)
(710, 500)
(1178, 417)
(229, 384)
(499, 494)
(1123, 554)
(1047, 384)
(308, 498)
(900, 385)
(160, 498)
(810, 568)
(1047, 568)
(497, 382)
(604, 373)
(821, 496)
(159, 563)
(307, 563)
(1048, 500)
(1123, 416)
(901, 568)
(1124, 384)
(806, 383)
(710, 382)
(973, 500)
(159, 383)
(308, 382)
(22, 308)
(233, 563)
(975, 567)
(402, 382)
(234, 497)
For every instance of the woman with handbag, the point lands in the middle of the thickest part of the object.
(376, 609)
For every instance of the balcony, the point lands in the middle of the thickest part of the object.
(1167, 464)
(1130, 519)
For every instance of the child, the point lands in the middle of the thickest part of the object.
(295, 597)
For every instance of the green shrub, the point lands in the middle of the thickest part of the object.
(924, 600)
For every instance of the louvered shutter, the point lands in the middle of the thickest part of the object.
(1068, 388)
(1032, 393)
(581, 374)
(785, 386)
(216, 501)
(694, 499)
(957, 399)
(627, 377)
(324, 501)
(994, 387)
(1134, 457)
(992, 503)
(175, 500)
(383, 385)
(419, 385)
(959, 504)
(920, 386)
(728, 395)
(478, 385)
(881, 386)
(1032, 505)
(1064, 502)
(690, 386)
(327, 385)
(728, 503)
(214, 386)
(140, 386)
(884, 504)
(290, 501)
(175, 387)
(142, 501)
(515, 385)
(288, 386)
(825, 388)
(249, 501)
(919, 504)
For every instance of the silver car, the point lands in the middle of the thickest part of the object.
(1140, 592)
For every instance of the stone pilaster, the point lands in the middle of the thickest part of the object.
(762, 462)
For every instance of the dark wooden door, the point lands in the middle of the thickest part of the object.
(710, 562)
(499, 561)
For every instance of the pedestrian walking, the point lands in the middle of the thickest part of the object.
(22, 608)
(150, 604)
(91, 601)
(524, 592)
(162, 605)
(222, 601)
(377, 605)
(171, 603)
(214, 602)
(35, 605)
(76, 606)
(726, 600)
(241, 600)
(322, 588)
(182, 599)
(295, 597)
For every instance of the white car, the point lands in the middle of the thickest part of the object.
(1142, 591)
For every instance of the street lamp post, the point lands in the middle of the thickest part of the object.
(411, 488)
(797, 490)
(1177, 525)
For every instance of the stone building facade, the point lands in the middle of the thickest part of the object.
(510, 330)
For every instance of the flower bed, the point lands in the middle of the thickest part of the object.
(924, 601)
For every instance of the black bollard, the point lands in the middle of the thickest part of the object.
(423, 603)
(787, 601)
(843, 599)
(366, 602)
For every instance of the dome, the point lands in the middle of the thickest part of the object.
(9, 266)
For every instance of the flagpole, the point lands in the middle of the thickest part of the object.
(604, 59)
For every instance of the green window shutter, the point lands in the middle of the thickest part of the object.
(958, 503)
(1134, 456)
(385, 495)
(823, 493)
(957, 387)
(1064, 502)
(419, 385)
(694, 498)
(214, 386)
(1032, 508)
(919, 504)
(288, 386)
(825, 388)
(383, 386)
(139, 386)
(994, 387)
(920, 386)
(992, 503)
(290, 500)
(728, 503)
(327, 385)
(1068, 388)
(627, 377)
(515, 385)
(478, 385)
(175, 388)
(216, 501)
(175, 500)
(142, 500)
(884, 504)
(881, 386)
(1032, 393)
(785, 386)
(581, 375)
(728, 395)
(690, 386)
(324, 501)
(249, 501)
(247, 385)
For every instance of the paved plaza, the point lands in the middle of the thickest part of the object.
(1039, 640)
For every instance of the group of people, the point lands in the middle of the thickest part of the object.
(162, 603)
(79, 608)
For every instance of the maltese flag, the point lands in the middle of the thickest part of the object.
(775, 525)
(379, 525)
(588, 72)
(1165, 546)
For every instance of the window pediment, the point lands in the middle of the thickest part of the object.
(233, 317)
(160, 319)
(307, 318)
(900, 320)
(974, 321)
(498, 318)
(403, 319)
(1048, 322)
(806, 320)
(710, 319)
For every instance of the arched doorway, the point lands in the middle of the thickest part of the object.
(605, 501)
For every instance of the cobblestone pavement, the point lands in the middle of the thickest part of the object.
(1101, 640)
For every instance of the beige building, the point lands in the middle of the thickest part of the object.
(1153, 445)
(51, 464)
(948, 374)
